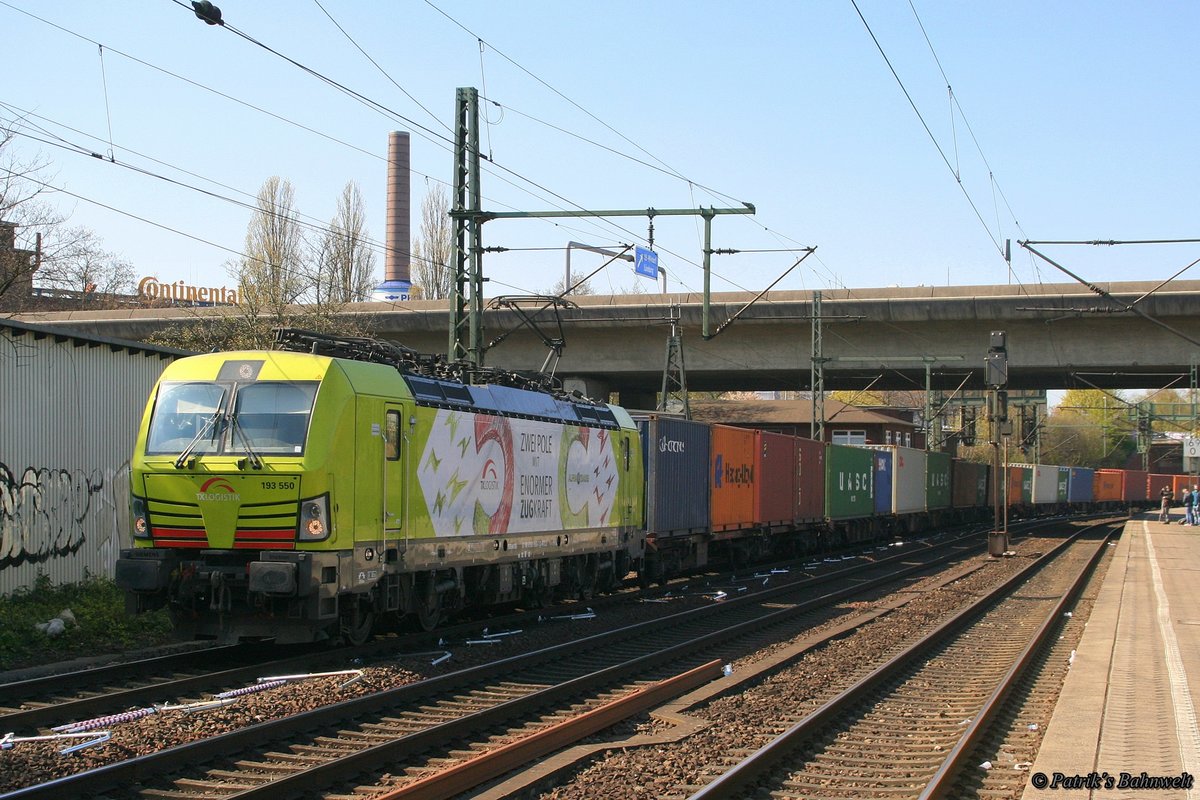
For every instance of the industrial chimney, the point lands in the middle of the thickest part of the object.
(396, 281)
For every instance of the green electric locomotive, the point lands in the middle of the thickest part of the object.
(337, 485)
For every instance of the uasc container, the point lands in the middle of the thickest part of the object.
(848, 482)
(937, 481)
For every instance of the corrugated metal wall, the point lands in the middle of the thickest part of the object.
(69, 411)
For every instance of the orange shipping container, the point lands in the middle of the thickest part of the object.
(733, 476)
(1108, 485)
(1020, 486)
(1181, 484)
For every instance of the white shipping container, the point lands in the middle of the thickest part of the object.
(1045, 484)
(908, 478)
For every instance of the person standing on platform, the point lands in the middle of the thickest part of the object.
(1164, 508)
(1189, 508)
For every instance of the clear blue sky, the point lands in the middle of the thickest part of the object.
(1084, 111)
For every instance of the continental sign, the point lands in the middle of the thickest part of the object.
(150, 288)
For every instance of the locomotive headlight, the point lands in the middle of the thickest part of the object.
(314, 520)
(140, 519)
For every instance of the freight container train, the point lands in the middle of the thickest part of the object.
(336, 486)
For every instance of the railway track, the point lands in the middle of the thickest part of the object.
(46, 700)
(336, 743)
(53, 699)
(909, 728)
(43, 701)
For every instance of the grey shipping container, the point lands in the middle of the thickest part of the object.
(676, 454)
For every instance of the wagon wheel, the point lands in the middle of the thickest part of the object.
(358, 621)
(589, 568)
(428, 604)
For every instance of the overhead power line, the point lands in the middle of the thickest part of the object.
(928, 131)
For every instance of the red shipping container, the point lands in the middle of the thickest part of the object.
(733, 474)
(775, 479)
(1157, 482)
(810, 480)
(1136, 486)
(1181, 483)
(1108, 486)
(968, 484)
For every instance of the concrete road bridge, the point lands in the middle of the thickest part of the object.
(1059, 336)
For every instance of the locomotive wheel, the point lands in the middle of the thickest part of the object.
(538, 595)
(358, 622)
(429, 606)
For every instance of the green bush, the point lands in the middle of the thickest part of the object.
(102, 625)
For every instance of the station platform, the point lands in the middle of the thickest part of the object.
(1129, 703)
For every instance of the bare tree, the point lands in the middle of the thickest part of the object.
(272, 272)
(26, 214)
(433, 249)
(345, 261)
(70, 261)
(577, 287)
(74, 259)
(274, 278)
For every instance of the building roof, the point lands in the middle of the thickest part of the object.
(788, 412)
(87, 340)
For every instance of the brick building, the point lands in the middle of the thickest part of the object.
(16, 269)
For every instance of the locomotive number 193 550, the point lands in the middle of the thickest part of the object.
(279, 484)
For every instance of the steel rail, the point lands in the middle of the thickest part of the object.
(379, 756)
(143, 768)
(731, 783)
(941, 783)
(122, 699)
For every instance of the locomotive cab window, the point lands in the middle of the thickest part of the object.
(186, 414)
(391, 436)
(272, 416)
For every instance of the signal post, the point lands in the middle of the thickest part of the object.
(995, 376)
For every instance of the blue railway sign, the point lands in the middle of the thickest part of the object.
(645, 262)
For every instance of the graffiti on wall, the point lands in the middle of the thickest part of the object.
(45, 514)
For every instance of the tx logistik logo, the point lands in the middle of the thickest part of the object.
(218, 490)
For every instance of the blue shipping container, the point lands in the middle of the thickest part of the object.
(675, 453)
(1080, 489)
(883, 481)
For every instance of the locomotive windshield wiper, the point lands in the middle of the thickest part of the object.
(205, 428)
(255, 461)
